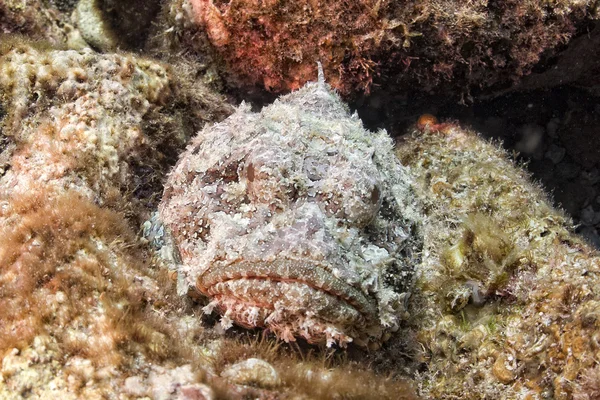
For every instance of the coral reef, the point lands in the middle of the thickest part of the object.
(86, 311)
(90, 122)
(506, 298)
(426, 44)
(34, 18)
(425, 47)
(79, 303)
(296, 219)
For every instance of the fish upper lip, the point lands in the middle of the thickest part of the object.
(306, 272)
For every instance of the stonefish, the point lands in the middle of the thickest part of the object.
(296, 219)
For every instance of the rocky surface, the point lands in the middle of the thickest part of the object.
(506, 296)
(430, 45)
(78, 294)
(35, 19)
(555, 134)
(553, 131)
(504, 301)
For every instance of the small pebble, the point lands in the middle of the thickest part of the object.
(552, 128)
(591, 177)
(555, 153)
(252, 372)
(135, 386)
(197, 391)
(531, 142)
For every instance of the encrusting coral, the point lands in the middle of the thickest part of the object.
(87, 123)
(407, 44)
(507, 298)
(79, 303)
(35, 18)
(296, 219)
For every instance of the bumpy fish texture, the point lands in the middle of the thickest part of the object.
(296, 219)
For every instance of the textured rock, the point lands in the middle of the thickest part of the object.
(109, 24)
(94, 26)
(79, 131)
(78, 300)
(411, 44)
(507, 295)
(296, 219)
(34, 18)
(71, 112)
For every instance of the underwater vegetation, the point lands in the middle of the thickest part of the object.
(78, 298)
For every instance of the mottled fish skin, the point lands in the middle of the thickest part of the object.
(296, 219)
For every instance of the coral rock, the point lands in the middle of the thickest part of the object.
(76, 294)
(35, 18)
(413, 44)
(508, 295)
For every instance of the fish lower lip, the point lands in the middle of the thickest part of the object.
(289, 271)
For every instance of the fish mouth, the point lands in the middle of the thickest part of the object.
(246, 281)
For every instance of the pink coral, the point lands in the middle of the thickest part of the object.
(410, 44)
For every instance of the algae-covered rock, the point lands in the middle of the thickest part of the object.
(73, 112)
(34, 18)
(79, 303)
(506, 298)
(109, 24)
(429, 45)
